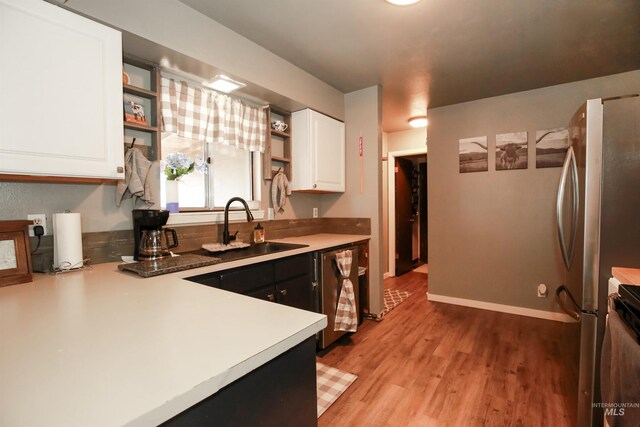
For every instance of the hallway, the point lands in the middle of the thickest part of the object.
(434, 364)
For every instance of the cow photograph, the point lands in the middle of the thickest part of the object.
(511, 151)
(551, 147)
(473, 154)
(133, 110)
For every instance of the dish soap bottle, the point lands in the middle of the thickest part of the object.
(258, 234)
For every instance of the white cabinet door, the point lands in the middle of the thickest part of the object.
(60, 93)
(318, 149)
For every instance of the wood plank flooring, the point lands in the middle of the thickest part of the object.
(435, 364)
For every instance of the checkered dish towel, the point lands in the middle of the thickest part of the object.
(346, 313)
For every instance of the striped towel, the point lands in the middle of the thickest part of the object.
(346, 313)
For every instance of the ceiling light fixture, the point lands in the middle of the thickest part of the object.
(418, 121)
(224, 84)
(403, 2)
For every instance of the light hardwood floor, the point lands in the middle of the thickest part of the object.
(435, 364)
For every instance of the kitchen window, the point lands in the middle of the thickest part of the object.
(223, 135)
(229, 172)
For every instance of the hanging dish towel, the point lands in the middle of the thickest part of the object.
(279, 191)
(346, 313)
(135, 183)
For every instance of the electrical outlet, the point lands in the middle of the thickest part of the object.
(542, 290)
(38, 219)
(315, 212)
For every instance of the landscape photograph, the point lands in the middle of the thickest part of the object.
(551, 147)
(473, 154)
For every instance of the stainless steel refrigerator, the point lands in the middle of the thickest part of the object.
(598, 214)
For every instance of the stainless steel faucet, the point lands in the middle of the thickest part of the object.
(226, 238)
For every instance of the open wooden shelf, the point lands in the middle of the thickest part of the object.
(138, 91)
(268, 159)
(280, 159)
(150, 148)
(280, 134)
(140, 127)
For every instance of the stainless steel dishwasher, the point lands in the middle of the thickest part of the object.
(328, 283)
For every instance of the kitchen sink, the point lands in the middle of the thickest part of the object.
(254, 250)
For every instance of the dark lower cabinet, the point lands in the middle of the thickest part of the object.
(286, 281)
(267, 294)
(297, 292)
(280, 393)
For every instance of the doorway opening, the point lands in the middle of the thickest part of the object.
(407, 211)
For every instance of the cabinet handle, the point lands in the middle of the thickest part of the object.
(119, 169)
(315, 185)
(283, 292)
(271, 297)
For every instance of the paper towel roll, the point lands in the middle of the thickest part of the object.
(67, 241)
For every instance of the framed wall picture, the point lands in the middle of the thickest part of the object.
(15, 252)
(551, 147)
(473, 154)
(511, 151)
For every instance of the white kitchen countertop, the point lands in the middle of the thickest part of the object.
(105, 347)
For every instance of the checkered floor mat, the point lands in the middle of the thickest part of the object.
(392, 299)
(331, 383)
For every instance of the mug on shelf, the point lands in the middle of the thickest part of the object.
(279, 125)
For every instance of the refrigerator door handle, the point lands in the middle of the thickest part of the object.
(567, 303)
(560, 207)
(576, 204)
(570, 166)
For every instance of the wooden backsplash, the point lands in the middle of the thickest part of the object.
(108, 246)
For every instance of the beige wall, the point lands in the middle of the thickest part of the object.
(492, 234)
(363, 117)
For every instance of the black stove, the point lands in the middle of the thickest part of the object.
(628, 307)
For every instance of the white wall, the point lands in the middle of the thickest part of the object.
(363, 116)
(492, 235)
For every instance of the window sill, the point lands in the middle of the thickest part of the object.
(185, 218)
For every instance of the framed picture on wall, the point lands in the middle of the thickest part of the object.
(15, 252)
(511, 151)
(473, 154)
(551, 147)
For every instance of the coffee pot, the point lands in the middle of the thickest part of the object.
(155, 244)
(151, 241)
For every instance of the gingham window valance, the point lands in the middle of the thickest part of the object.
(202, 115)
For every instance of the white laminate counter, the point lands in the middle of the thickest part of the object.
(104, 347)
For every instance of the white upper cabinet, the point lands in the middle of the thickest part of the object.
(318, 152)
(60, 93)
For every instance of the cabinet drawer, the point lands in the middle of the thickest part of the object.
(247, 279)
(294, 266)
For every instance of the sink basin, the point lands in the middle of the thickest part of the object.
(254, 250)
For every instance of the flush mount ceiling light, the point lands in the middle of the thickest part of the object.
(224, 84)
(418, 121)
(402, 2)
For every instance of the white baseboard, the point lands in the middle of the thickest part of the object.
(511, 309)
(386, 275)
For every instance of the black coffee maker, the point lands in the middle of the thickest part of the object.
(151, 241)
